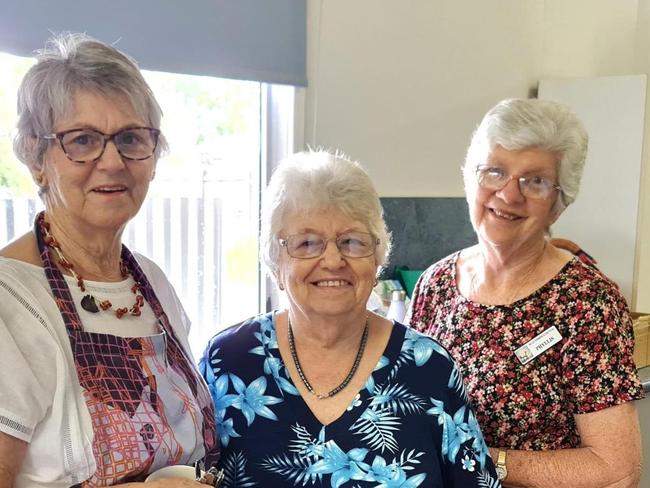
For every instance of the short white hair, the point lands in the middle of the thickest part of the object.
(316, 181)
(516, 124)
(70, 63)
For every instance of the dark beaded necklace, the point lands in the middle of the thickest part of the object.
(89, 302)
(348, 378)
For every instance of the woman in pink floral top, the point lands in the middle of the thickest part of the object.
(543, 339)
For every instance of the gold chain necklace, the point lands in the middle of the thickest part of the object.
(348, 378)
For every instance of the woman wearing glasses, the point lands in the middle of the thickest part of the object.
(327, 393)
(97, 385)
(543, 339)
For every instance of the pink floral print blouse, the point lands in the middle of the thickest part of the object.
(532, 406)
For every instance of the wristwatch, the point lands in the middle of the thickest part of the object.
(501, 469)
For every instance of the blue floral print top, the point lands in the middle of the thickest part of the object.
(410, 425)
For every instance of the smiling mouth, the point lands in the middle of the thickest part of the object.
(109, 189)
(505, 215)
(331, 283)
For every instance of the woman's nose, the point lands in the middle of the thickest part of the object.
(332, 257)
(511, 193)
(111, 159)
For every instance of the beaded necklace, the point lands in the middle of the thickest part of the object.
(348, 378)
(89, 302)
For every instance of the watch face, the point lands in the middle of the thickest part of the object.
(501, 472)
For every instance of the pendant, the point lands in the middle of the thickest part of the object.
(89, 305)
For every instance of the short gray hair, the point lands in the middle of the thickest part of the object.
(314, 181)
(516, 124)
(68, 63)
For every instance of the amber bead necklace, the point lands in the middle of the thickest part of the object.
(89, 302)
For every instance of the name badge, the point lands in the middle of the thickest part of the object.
(537, 345)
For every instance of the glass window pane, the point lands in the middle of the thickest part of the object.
(206, 198)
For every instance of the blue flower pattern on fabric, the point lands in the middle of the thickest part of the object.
(251, 399)
(342, 466)
(222, 401)
(272, 365)
(378, 454)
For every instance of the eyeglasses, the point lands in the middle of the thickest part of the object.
(86, 145)
(349, 244)
(533, 186)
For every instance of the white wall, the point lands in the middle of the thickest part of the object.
(642, 278)
(400, 85)
(603, 219)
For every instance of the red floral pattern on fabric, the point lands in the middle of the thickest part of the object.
(531, 406)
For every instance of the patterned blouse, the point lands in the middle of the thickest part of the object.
(531, 406)
(409, 426)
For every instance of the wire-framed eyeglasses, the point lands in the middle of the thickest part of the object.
(87, 145)
(349, 244)
(532, 186)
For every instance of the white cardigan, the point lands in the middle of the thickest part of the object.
(40, 398)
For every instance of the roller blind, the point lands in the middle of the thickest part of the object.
(261, 40)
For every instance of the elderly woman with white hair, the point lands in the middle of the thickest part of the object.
(97, 383)
(544, 340)
(327, 393)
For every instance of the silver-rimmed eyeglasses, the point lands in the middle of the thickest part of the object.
(349, 244)
(531, 186)
(86, 145)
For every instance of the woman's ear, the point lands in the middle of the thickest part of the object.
(278, 280)
(556, 210)
(36, 168)
(40, 178)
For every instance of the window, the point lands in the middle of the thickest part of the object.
(200, 220)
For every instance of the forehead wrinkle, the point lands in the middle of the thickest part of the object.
(75, 110)
(91, 126)
(347, 230)
(535, 170)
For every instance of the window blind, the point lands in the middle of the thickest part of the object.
(261, 40)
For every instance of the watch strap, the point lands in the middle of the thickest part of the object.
(501, 460)
(500, 466)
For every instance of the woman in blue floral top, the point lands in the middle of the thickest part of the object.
(326, 393)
